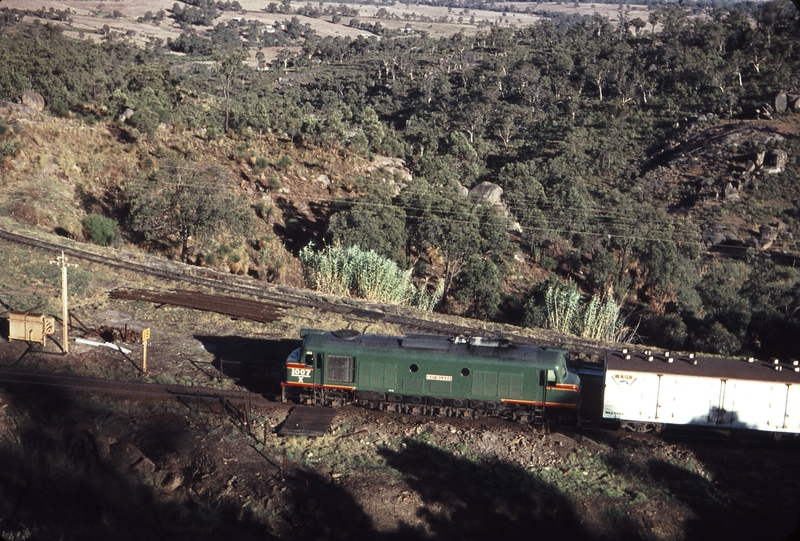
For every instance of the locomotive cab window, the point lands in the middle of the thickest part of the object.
(550, 375)
(309, 358)
(340, 369)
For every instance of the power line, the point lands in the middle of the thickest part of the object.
(622, 223)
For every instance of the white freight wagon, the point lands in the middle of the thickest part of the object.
(646, 391)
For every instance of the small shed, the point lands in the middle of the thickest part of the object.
(30, 327)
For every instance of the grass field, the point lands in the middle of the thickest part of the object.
(121, 16)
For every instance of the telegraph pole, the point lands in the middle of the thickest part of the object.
(61, 261)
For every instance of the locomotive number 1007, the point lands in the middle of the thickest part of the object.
(301, 374)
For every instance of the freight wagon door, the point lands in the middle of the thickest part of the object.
(792, 418)
(688, 400)
(753, 404)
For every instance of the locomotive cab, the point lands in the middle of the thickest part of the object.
(562, 386)
(300, 372)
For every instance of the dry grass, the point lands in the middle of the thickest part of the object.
(89, 18)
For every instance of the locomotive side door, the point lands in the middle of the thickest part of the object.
(547, 378)
(320, 366)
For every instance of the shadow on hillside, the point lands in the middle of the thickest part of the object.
(63, 479)
(750, 495)
(301, 227)
(461, 499)
(465, 499)
(255, 363)
(733, 492)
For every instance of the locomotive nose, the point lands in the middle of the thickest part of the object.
(294, 357)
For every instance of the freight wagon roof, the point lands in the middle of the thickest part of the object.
(432, 345)
(710, 367)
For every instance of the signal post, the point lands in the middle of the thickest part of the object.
(145, 339)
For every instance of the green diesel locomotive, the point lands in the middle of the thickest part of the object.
(457, 376)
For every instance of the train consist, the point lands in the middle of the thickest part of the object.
(470, 376)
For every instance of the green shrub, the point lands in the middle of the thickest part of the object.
(8, 148)
(368, 275)
(59, 108)
(262, 163)
(145, 120)
(548, 263)
(264, 211)
(555, 305)
(100, 229)
(210, 258)
(600, 320)
(715, 338)
(563, 308)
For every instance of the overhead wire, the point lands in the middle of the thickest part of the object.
(624, 224)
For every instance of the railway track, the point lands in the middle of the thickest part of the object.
(238, 403)
(214, 401)
(276, 298)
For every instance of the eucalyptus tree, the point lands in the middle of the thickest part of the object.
(190, 204)
(451, 227)
(228, 68)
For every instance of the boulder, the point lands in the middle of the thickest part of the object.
(8, 108)
(717, 238)
(34, 100)
(145, 465)
(777, 158)
(514, 227)
(780, 102)
(172, 481)
(126, 114)
(126, 455)
(488, 192)
(731, 193)
(767, 232)
(793, 102)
